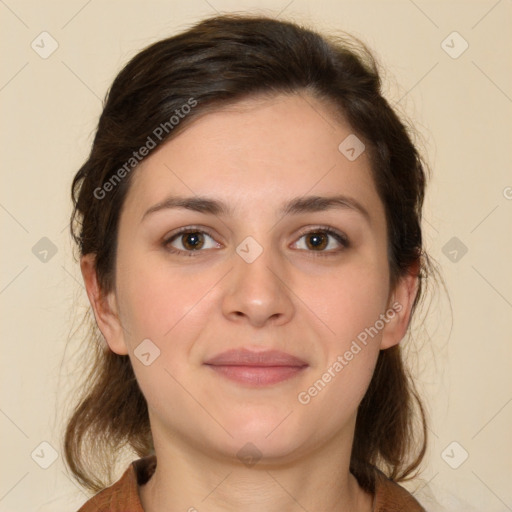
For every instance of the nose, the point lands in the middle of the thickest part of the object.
(258, 292)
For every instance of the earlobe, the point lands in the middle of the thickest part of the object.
(401, 302)
(103, 306)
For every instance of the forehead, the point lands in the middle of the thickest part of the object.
(258, 151)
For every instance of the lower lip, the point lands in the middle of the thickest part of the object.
(258, 375)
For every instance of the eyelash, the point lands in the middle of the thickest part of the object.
(339, 237)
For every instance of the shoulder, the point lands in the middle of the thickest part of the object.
(391, 497)
(123, 495)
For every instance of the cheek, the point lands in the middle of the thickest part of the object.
(337, 384)
(350, 304)
(162, 302)
(334, 397)
(349, 300)
(166, 305)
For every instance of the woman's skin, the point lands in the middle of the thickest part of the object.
(310, 302)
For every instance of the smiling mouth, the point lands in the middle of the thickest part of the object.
(256, 368)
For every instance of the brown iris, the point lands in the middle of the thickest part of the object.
(193, 240)
(319, 240)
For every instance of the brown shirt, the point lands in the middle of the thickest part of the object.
(123, 496)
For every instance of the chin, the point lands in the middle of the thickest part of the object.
(270, 437)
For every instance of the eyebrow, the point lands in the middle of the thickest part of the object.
(295, 206)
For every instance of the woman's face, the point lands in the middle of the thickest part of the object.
(251, 275)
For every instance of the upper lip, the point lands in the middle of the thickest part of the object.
(245, 357)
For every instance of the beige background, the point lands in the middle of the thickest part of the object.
(462, 107)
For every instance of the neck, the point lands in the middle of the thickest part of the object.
(191, 479)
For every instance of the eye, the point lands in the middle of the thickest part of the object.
(189, 240)
(321, 238)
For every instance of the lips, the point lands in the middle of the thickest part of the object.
(256, 369)
(244, 357)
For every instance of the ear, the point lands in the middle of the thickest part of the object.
(400, 302)
(104, 307)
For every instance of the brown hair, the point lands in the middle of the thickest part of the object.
(220, 60)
